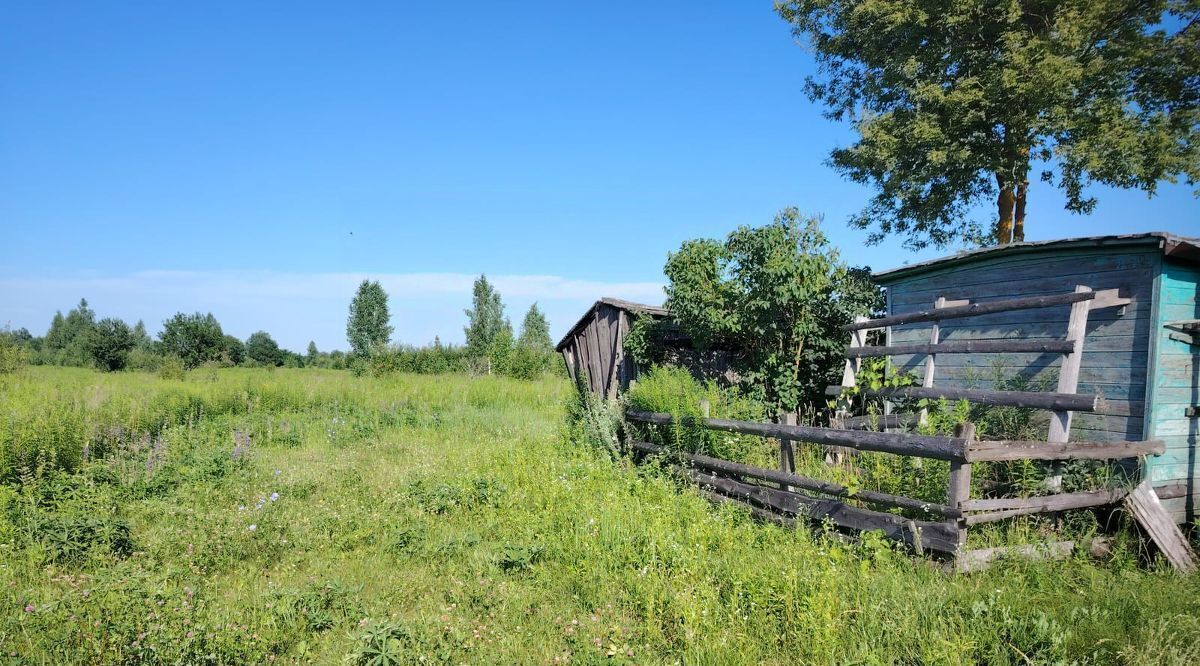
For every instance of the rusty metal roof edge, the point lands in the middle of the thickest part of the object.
(1172, 245)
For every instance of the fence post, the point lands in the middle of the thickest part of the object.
(787, 454)
(960, 481)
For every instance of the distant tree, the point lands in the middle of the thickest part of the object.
(194, 339)
(234, 350)
(535, 331)
(141, 339)
(109, 343)
(313, 354)
(486, 319)
(367, 328)
(955, 103)
(262, 348)
(778, 295)
(66, 341)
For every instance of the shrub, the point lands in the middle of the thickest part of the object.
(12, 356)
(675, 391)
(109, 343)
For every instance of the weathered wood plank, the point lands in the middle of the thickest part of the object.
(977, 560)
(1034, 450)
(1149, 513)
(1032, 399)
(972, 310)
(942, 448)
(792, 480)
(941, 537)
(964, 347)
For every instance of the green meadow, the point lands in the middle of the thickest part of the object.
(298, 516)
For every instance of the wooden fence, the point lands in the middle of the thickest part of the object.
(940, 527)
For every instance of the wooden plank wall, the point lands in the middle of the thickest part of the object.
(1176, 386)
(1116, 346)
(596, 353)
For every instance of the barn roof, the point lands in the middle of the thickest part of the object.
(628, 306)
(1172, 245)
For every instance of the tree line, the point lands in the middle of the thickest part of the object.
(490, 345)
(79, 339)
(188, 341)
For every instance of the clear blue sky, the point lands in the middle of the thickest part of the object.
(257, 159)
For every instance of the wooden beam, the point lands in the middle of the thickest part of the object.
(938, 536)
(976, 560)
(793, 480)
(1149, 513)
(881, 421)
(1034, 399)
(975, 309)
(1023, 450)
(964, 347)
(941, 448)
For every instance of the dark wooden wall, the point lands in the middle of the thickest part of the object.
(595, 353)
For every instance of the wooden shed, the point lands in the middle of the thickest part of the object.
(594, 348)
(1140, 355)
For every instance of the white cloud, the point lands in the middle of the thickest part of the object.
(298, 307)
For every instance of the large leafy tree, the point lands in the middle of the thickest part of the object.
(776, 295)
(195, 338)
(67, 340)
(261, 347)
(109, 343)
(486, 327)
(957, 102)
(367, 327)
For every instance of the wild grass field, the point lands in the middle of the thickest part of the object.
(308, 516)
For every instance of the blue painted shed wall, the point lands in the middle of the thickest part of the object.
(1175, 385)
(1116, 347)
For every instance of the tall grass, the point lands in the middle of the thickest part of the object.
(451, 520)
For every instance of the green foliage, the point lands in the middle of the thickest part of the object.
(675, 391)
(109, 343)
(13, 355)
(66, 342)
(193, 339)
(778, 295)
(368, 326)
(956, 102)
(262, 348)
(233, 350)
(431, 360)
(487, 330)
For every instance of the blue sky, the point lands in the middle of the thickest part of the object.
(257, 159)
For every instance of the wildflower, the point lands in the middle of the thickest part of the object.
(274, 496)
(29, 608)
(278, 472)
(241, 507)
(252, 527)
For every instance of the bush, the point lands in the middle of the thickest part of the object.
(675, 391)
(194, 338)
(109, 343)
(12, 356)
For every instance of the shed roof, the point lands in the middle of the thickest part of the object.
(628, 306)
(1172, 245)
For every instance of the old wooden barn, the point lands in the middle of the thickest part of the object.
(1140, 340)
(594, 348)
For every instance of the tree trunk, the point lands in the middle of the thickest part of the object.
(1019, 223)
(1005, 202)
